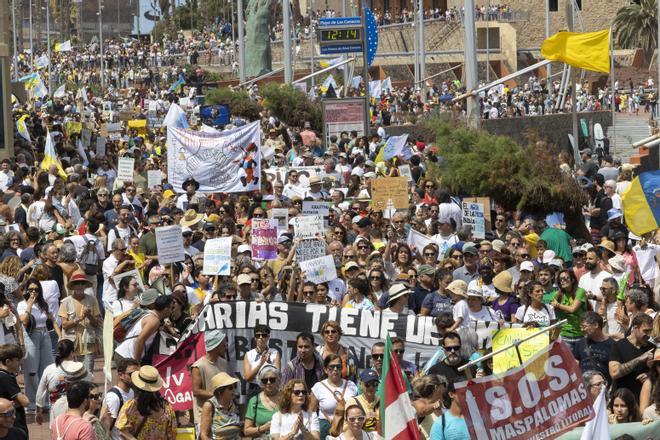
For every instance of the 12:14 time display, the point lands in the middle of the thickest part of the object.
(331, 35)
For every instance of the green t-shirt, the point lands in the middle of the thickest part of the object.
(559, 241)
(549, 296)
(257, 412)
(572, 328)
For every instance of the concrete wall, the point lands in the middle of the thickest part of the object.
(554, 128)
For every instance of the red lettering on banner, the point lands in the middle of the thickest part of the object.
(175, 371)
(545, 396)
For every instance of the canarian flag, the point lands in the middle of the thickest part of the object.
(177, 85)
(392, 148)
(397, 415)
(50, 157)
(329, 63)
(21, 127)
(641, 203)
(60, 92)
(587, 50)
(63, 47)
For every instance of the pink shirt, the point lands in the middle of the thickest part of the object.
(72, 427)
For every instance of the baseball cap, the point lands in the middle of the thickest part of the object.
(527, 266)
(244, 279)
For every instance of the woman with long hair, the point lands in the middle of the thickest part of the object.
(127, 296)
(359, 295)
(623, 407)
(148, 415)
(428, 391)
(11, 271)
(535, 313)
(331, 333)
(331, 392)
(52, 385)
(362, 248)
(378, 282)
(261, 408)
(339, 233)
(401, 260)
(354, 418)
(569, 302)
(219, 416)
(295, 420)
(36, 318)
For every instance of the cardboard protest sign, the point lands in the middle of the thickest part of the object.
(385, 189)
(473, 215)
(543, 398)
(100, 145)
(509, 359)
(264, 239)
(485, 201)
(125, 167)
(405, 172)
(282, 217)
(307, 226)
(309, 249)
(217, 256)
(319, 270)
(169, 241)
(315, 208)
(154, 178)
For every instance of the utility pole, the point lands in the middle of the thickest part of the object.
(101, 47)
(241, 43)
(548, 68)
(31, 45)
(422, 51)
(347, 78)
(13, 23)
(365, 72)
(470, 44)
(138, 18)
(286, 37)
(50, 62)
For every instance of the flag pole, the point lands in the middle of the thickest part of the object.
(614, 91)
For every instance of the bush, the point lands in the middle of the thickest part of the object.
(239, 102)
(291, 105)
(476, 163)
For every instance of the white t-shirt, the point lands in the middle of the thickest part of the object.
(613, 326)
(337, 289)
(124, 234)
(52, 297)
(282, 424)
(326, 397)
(461, 310)
(122, 305)
(39, 315)
(112, 402)
(591, 284)
(530, 314)
(444, 243)
(253, 358)
(109, 295)
(648, 267)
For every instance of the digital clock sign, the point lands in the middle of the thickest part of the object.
(346, 35)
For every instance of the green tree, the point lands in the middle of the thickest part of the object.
(239, 102)
(476, 163)
(636, 26)
(291, 105)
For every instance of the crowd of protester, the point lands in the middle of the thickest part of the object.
(67, 235)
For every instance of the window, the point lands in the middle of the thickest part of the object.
(554, 5)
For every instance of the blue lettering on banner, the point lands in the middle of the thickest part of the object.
(340, 21)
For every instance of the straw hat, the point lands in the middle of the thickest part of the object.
(222, 380)
(191, 218)
(458, 288)
(606, 244)
(397, 291)
(147, 379)
(503, 281)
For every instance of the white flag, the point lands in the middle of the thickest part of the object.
(175, 117)
(356, 81)
(387, 85)
(61, 90)
(375, 89)
(42, 62)
(82, 153)
(598, 426)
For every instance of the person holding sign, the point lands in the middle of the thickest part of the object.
(258, 357)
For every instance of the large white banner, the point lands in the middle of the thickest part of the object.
(226, 162)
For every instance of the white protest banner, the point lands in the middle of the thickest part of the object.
(473, 215)
(315, 208)
(217, 256)
(100, 146)
(405, 171)
(282, 217)
(319, 270)
(224, 162)
(310, 249)
(154, 178)
(169, 242)
(86, 137)
(131, 273)
(417, 240)
(307, 226)
(125, 166)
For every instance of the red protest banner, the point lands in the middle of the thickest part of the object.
(175, 371)
(543, 398)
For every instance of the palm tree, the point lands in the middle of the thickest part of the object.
(636, 26)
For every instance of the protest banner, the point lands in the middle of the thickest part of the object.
(264, 238)
(405, 171)
(473, 215)
(169, 242)
(319, 270)
(139, 125)
(309, 249)
(217, 256)
(125, 166)
(487, 206)
(225, 162)
(307, 226)
(154, 178)
(417, 241)
(315, 208)
(131, 273)
(100, 145)
(543, 398)
(282, 217)
(385, 189)
(361, 329)
(509, 359)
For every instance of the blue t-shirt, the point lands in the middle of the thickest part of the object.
(455, 428)
(437, 304)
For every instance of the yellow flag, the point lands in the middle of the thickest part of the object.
(589, 50)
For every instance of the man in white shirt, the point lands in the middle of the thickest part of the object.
(122, 230)
(114, 265)
(592, 281)
(6, 175)
(121, 393)
(292, 187)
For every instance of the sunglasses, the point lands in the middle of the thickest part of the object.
(96, 396)
(358, 419)
(309, 292)
(399, 351)
(373, 383)
(564, 279)
(299, 392)
(363, 247)
(335, 367)
(330, 332)
(453, 348)
(267, 380)
(261, 335)
(429, 254)
(377, 356)
(374, 278)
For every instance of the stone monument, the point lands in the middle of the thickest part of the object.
(258, 57)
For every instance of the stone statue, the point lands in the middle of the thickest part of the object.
(258, 57)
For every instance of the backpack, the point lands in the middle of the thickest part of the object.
(89, 257)
(123, 323)
(116, 392)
